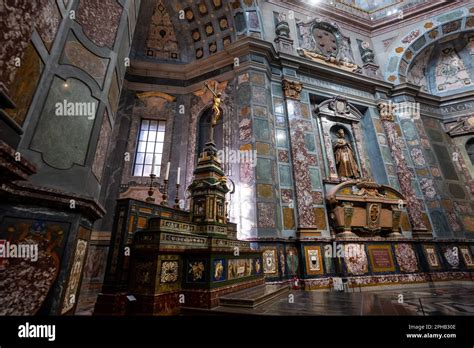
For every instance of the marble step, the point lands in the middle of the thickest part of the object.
(253, 297)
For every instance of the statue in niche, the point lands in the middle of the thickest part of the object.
(345, 159)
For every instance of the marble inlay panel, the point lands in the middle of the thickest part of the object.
(406, 257)
(100, 20)
(264, 169)
(266, 215)
(286, 195)
(16, 27)
(245, 129)
(288, 219)
(285, 175)
(76, 54)
(405, 177)
(102, 146)
(301, 171)
(317, 197)
(23, 87)
(264, 191)
(283, 156)
(63, 140)
(263, 149)
(48, 22)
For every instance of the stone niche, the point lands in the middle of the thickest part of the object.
(364, 208)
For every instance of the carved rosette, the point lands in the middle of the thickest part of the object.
(292, 89)
(415, 208)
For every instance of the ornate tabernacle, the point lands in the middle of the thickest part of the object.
(185, 259)
(365, 208)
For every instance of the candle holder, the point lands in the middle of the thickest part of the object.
(151, 189)
(176, 200)
(164, 190)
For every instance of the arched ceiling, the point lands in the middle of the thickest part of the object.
(446, 66)
(184, 31)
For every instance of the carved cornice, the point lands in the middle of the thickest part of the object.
(292, 89)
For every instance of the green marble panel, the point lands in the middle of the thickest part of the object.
(315, 178)
(261, 130)
(309, 142)
(264, 169)
(445, 162)
(285, 175)
(62, 136)
(281, 138)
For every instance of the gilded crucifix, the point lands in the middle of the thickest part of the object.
(215, 107)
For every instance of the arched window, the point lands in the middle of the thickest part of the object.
(470, 150)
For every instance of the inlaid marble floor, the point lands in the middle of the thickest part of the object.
(453, 299)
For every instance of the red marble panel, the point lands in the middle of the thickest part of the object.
(100, 20)
(405, 177)
(48, 22)
(102, 146)
(16, 27)
(302, 179)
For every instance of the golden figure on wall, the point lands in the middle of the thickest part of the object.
(216, 102)
(345, 159)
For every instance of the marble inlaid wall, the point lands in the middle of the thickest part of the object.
(23, 87)
(248, 174)
(47, 24)
(424, 167)
(48, 58)
(268, 207)
(77, 55)
(63, 140)
(453, 181)
(82, 74)
(16, 28)
(398, 162)
(100, 20)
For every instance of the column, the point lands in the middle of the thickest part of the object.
(405, 177)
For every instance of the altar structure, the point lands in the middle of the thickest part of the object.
(226, 145)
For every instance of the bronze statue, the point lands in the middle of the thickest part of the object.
(215, 104)
(216, 111)
(345, 158)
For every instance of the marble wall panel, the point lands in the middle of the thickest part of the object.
(49, 19)
(355, 259)
(64, 140)
(406, 257)
(23, 87)
(16, 27)
(100, 20)
(266, 215)
(76, 54)
(102, 146)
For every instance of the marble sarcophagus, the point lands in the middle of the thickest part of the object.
(365, 208)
